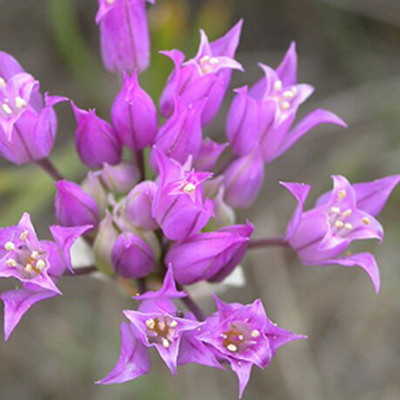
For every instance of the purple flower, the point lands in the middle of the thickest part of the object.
(179, 206)
(131, 256)
(263, 115)
(321, 235)
(181, 135)
(38, 265)
(138, 205)
(134, 115)
(125, 42)
(28, 123)
(209, 256)
(73, 206)
(243, 179)
(95, 139)
(244, 336)
(205, 76)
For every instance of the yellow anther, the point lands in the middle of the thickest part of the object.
(278, 86)
(24, 235)
(34, 255)
(9, 246)
(288, 95)
(173, 324)
(150, 323)
(2, 83)
(6, 108)
(366, 221)
(347, 213)
(339, 224)
(205, 59)
(348, 226)
(342, 194)
(165, 343)
(231, 347)
(255, 333)
(335, 210)
(40, 264)
(11, 262)
(285, 105)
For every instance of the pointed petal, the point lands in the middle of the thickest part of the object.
(366, 261)
(300, 192)
(17, 303)
(372, 196)
(133, 362)
(228, 44)
(204, 47)
(312, 120)
(9, 66)
(287, 70)
(243, 371)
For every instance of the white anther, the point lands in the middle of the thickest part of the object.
(165, 343)
(255, 333)
(189, 187)
(40, 264)
(6, 108)
(150, 323)
(348, 226)
(231, 347)
(278, 86)
(2, 83)
(28, 268)
(9, 246)
(224, 336)
(339, 224)
(347, 213)
(110, 2)
(205, 59)
(34, 255)
(240, 337)
(24, 235)
(288, 95)
(335, 210)
(294, 90)
(285, 105)
(214, 61)
(366, 221)
(20, 102)
(11, 262)
(173, 324)
(342, 194)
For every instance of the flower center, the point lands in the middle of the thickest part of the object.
(207, 64)
(239, 337)
(284, 96)
(161, 330)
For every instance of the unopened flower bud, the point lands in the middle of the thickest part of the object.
(120, 178)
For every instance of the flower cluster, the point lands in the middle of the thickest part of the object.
(165, 218)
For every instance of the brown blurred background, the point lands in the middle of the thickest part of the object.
(349, 50)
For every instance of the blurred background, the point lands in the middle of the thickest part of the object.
(350, 51)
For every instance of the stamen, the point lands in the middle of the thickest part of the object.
(335, 210)
(347, 213)
(231, 347)
(28, 268)
(294, 90)
(278, 86)
(205, 59)
(173, 324)
(339, 224)
(110, 2)
(20, 102)
(150, 323)
(24, 235)
(189, 188)
(165, 343)
(285, 105)
(255, 333)
(214, 61)
(11, 262)
(342, 194)
(9, 246)
(2, 83)
(224, 336)
(348, 226)
(288, 95)
(40, 265)
(6, 108)
(34, 255)
(240, 337)
(366, 221)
